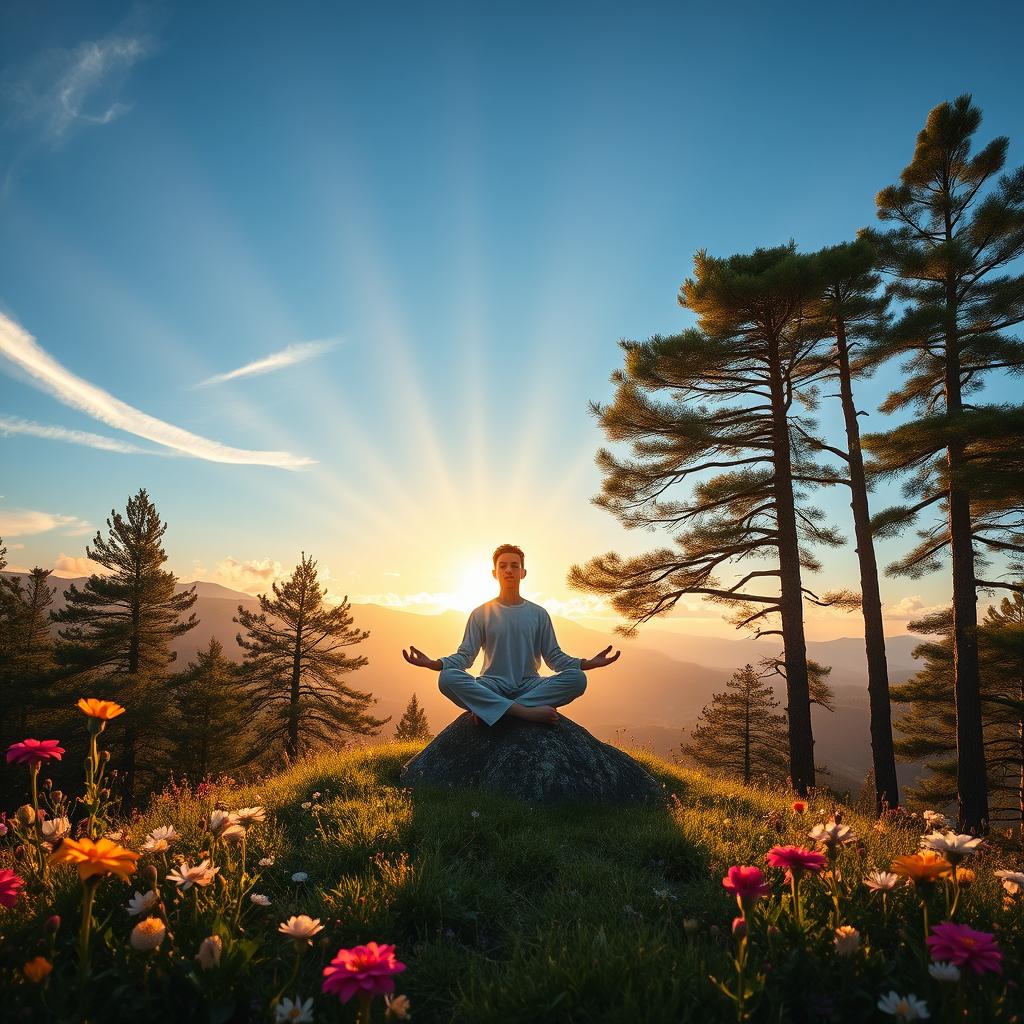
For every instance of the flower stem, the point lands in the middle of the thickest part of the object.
(363, 1012)
(88, 895)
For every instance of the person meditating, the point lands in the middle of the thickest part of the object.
(515, 635)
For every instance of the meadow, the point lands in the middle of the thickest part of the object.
(227, 903)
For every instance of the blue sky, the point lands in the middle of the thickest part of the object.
(464, 207)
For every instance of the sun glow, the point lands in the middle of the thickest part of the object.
(476, 585)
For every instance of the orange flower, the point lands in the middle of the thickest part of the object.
(922, 868)
(95, 858)
(102, 709)
(37, 969)
(965, 876)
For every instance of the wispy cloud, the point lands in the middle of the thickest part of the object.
(49, 375)
(71, 567)
(10, 425)
(62, 88)
(26, 522)
(253, 576)
(297, 353)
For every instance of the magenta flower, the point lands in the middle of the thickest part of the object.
(363, 970)
(795, 859)
(10, 884)
(33, 752)
(747, 884)
(965, 947)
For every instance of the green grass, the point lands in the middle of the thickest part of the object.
(518, 913)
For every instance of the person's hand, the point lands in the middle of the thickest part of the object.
(599, 660)
(420, 660)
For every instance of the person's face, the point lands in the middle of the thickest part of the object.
(508, 569)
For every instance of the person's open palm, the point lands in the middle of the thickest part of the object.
(601, 659)
(416, 657)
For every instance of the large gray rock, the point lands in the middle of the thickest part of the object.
(540, 763)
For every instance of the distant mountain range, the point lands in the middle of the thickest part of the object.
(650, 697)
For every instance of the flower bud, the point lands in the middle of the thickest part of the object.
(48, 785)
(53, 924)
(739, 928)
(105, 757)
(149, 875)
(25, 815)
(58, 795)
(773, 930)
(209, 952)
(19, 852)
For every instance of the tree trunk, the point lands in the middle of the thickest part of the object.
(883, 756)
(746, 743)
(801, 739)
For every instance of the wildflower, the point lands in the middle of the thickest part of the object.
(935, 819)
(148, 934)
(104, 710)
(958, 944)
(53, 924)
(727, 822)
(186, 875)
(317, 795)
(248, 816)
(306, 805)
(299, 876)
(101, 857)
(259, 899)
(922, 868)
(882, 881)
(234, 833)
(301, 929)
(943, 971)
(1013, 881)
(799, 806)
(368, 970)
(965, 877)
(266, 862)
(796, 859)
(297, 1012)
(398, 1008)
(37, 969)
(141, 902)
(747, 884)
(832, 834)
(847, 940)
(159, 839)
(34, 752)
(220, 821)
(208, 956)
(904, 1007)
(55, 829)
(954, 847)
(739, 928)
(117, 835)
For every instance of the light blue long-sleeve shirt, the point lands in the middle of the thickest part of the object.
(515, 638)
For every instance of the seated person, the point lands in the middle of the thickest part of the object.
(515, 635)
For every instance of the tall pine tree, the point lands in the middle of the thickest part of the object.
(29, 658)
(850, 309)
(413, 724)
(957, 231)
(115, 636)
(739, 733)
(294, 660)
(730, 431)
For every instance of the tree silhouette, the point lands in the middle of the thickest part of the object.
(731, 432)
(413, 724)
(294, 658)
(952, 237)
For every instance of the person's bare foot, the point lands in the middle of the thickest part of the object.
(544, 714)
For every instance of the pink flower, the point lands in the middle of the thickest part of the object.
(33, 752)
(795, 859)
(10, 883)
(965, 947)
(747, 884)
(363, 970)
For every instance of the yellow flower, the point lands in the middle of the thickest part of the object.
(95, 858)
(148, 934)
(965, 876)
(37, 969)
(102, 709)
(922, 868)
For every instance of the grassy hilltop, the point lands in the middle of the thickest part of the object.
(504, 912)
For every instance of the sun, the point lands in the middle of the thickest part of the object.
(476, 585)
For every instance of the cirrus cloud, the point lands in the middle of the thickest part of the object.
(297, 353)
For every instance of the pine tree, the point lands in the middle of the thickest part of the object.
(927, 726)
(28, 658)
(849, 310)
(956, 229)
(116, 635)
(731, 432)
(738, 733)
(294, 656)
(413, 724)
(214, 732)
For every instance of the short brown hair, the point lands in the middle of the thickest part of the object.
(509, 549)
